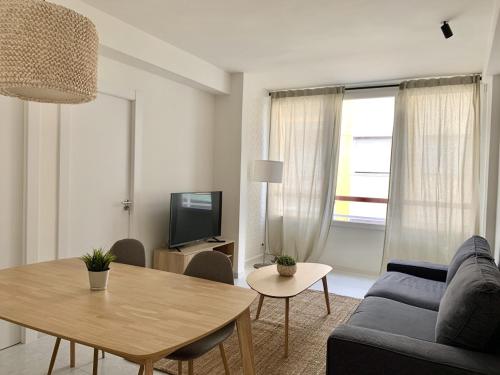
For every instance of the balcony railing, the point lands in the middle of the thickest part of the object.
(360, 199)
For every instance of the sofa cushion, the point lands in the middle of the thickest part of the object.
(395, 317)
(469, 314)
(412, 290)
(474, 246)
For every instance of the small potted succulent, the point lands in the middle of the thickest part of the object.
(286, 265)
(97, 264)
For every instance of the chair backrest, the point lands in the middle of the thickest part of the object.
(129, 251)
(211, 265)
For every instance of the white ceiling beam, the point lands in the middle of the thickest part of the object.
(130, 45)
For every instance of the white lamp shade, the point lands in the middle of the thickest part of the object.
(268, 171)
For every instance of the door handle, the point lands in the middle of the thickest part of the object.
(126, 204)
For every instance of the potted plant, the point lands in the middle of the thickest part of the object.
(97, 264)
(286, 265)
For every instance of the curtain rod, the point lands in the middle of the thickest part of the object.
(350, 88)
(371, 87)
(367, 87)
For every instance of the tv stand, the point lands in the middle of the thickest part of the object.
(176, 260)
(216, 240)
(178, 249)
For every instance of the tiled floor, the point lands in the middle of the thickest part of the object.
(33, 359)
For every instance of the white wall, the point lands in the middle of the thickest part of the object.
(355, 247)
(177, 152)
(227, 159)
(11, 197)
(492, 209)
(364, 246)
(48, 194)
(11, 181)
(348, 247)
(177, 144)
(254, 146)
(490, 132)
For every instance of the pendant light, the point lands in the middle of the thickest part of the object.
(48, 53)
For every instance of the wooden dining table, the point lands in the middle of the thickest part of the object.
(143, 316)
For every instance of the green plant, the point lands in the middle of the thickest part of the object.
(98, 260)
(285, 260)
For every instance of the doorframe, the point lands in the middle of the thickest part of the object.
(31, 189)
(136, 133)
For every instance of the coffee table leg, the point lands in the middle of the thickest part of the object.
(261, 300)
(287, 311)
(148, 367)
(327, 297)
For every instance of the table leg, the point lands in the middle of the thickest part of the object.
(327, 296)
(246, 345)
(54, 355)
(287, 312)
(148, 367)
(261, 300)
(72, 354)
(96, 359)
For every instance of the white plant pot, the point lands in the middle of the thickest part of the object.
(98, 280)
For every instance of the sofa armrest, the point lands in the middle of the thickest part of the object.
(426, 270)
(364, 351)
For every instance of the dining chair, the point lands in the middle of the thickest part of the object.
(127, 251)
(214, 266)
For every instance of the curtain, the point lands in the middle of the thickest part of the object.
(434, 188)
(304, 134)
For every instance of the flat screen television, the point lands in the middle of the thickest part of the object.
(194, 217)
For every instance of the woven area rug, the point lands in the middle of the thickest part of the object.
(310, 327)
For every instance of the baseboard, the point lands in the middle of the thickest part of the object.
(355, 271)
(249, 262)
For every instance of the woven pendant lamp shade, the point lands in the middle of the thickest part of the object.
(48, 53)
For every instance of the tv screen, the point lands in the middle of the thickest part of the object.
(194, 216)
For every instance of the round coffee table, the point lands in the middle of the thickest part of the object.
(268, 283)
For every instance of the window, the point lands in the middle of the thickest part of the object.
(364, 160)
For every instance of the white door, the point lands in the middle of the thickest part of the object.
(99, 174)
(11, 198)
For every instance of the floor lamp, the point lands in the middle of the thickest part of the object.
(268, 171)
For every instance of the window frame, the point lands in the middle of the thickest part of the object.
(369, 93)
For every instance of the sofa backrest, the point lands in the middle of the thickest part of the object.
(475, 246)
(469, 313)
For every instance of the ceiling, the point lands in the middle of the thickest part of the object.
(355, 39)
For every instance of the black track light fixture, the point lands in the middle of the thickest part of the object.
(446, 29)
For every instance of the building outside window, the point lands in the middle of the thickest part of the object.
(364, 159)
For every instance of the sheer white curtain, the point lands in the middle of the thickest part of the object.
(434, 188)
(305, 132)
